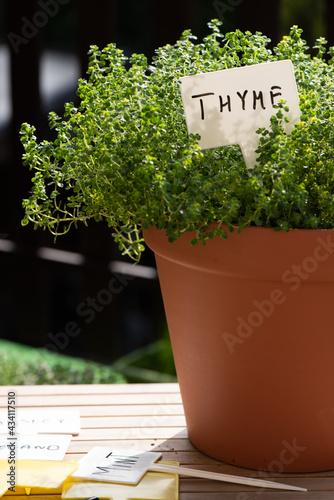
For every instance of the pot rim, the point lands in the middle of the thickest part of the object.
(255, 253)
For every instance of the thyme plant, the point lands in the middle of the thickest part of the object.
(124, 155)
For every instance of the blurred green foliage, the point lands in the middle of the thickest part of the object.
(22, 365)
(150, 364)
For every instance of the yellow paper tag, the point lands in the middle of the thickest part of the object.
(26, 477)
(33, 497)
(153, 486)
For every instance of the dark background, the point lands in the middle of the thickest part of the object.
(40, 293)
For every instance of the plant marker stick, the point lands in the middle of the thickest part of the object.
(222, 477)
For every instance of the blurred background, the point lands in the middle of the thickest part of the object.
(56, 296)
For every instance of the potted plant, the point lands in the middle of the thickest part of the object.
(245, 259)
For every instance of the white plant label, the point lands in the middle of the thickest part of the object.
(34, 447)
(44, 421)
(115, 465)
(228, 107)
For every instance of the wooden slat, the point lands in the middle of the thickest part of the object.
(163, 445)
(134, 421)
(133, 433)
(118, 410)
(255, 495)
(196, 485)
(88, 389)
(96, 399)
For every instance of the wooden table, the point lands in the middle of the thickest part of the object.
(150, 417)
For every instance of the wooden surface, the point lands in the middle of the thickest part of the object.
(150, 417)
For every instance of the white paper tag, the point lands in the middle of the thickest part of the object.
(227, 107)
(51, 421)
(33, 447)
(115, 465)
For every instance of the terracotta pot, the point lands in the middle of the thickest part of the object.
(252, 331)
